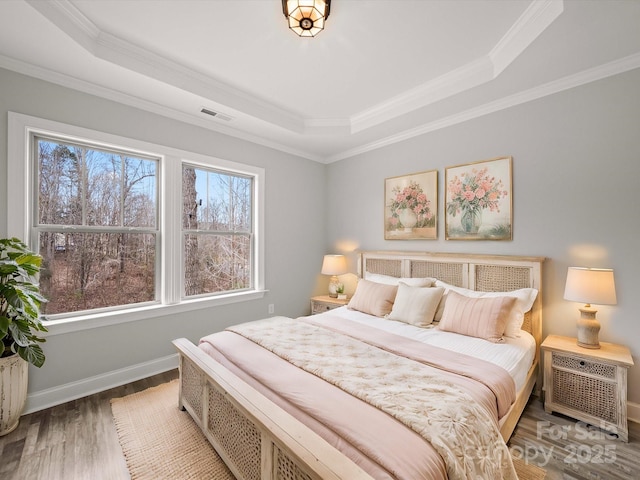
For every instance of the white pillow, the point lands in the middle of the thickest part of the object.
(389, 280)
(415, 305)
(524, 301)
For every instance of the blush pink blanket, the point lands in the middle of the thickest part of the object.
(375, 440)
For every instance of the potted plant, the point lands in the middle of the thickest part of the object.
(20, 322)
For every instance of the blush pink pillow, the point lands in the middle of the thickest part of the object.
(373, 298)
(477, 317)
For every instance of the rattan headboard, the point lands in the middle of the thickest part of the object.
(488, 273)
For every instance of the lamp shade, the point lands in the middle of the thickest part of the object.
(334, 265)
(590, 285)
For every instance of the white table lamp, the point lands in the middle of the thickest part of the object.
(334, 265)
(590, 285)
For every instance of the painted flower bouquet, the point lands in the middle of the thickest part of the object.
(470, 194)
(474, 191)
(413, 199)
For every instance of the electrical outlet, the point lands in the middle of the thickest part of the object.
(272, 308)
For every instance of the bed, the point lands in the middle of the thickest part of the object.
(302, 433)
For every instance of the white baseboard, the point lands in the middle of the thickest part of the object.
(71, 391)
(633, 412)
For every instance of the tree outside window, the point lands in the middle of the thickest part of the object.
(217, 231)
(96, 222)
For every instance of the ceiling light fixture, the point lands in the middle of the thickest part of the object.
(306, 17)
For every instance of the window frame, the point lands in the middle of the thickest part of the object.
(229, 232)
(169, 277)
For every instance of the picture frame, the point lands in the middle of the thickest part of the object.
(479, 200)
(411, 206)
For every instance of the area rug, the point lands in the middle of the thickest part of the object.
(159, 441)
(526, 471)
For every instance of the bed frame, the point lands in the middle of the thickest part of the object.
(260, 441)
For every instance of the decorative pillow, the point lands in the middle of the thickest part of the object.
(524, 301)
(476, 317)
(415, 305)
(373, 298)
(389, 280)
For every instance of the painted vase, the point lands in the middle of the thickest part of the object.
(471, 221)
(408, 218)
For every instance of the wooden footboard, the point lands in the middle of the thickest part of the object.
(255, 438)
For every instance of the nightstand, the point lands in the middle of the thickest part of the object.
(324, 303)
(587, 384)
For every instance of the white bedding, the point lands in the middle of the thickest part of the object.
(515, 355)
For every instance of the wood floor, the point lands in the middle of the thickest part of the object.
(73, 441)
(570, 450)
(78, 441)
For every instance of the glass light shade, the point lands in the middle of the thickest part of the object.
(306, 17)
(590, 285)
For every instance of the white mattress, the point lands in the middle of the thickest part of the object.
(515, 355)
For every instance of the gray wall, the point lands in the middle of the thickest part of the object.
(576, 171)
(295, 240)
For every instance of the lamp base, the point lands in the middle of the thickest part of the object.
(588, 329)
(333, 286)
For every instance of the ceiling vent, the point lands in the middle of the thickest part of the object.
(219, 115)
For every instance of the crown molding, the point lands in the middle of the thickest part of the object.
(464, 78)
(533, 21)
(70, 20)
(615, 67)
(590, 75)
(327, 126)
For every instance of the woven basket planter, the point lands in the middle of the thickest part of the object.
(13, 391)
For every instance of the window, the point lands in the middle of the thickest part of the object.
(217, 226)
(95, 225)
(119, 239)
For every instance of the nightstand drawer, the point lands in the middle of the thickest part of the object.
(324, 303)
(319, 307)
(585, 394)
(583, 365)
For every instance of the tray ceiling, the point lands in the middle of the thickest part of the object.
(381, 71)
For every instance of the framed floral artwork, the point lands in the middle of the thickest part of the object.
(411, 206)
(478, 200)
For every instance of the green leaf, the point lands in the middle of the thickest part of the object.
(20, 301)
(29, 259)
(32, 354)
(8, 268)
(20, 332)
(4, 326)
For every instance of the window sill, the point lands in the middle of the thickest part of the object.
(105, 319)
